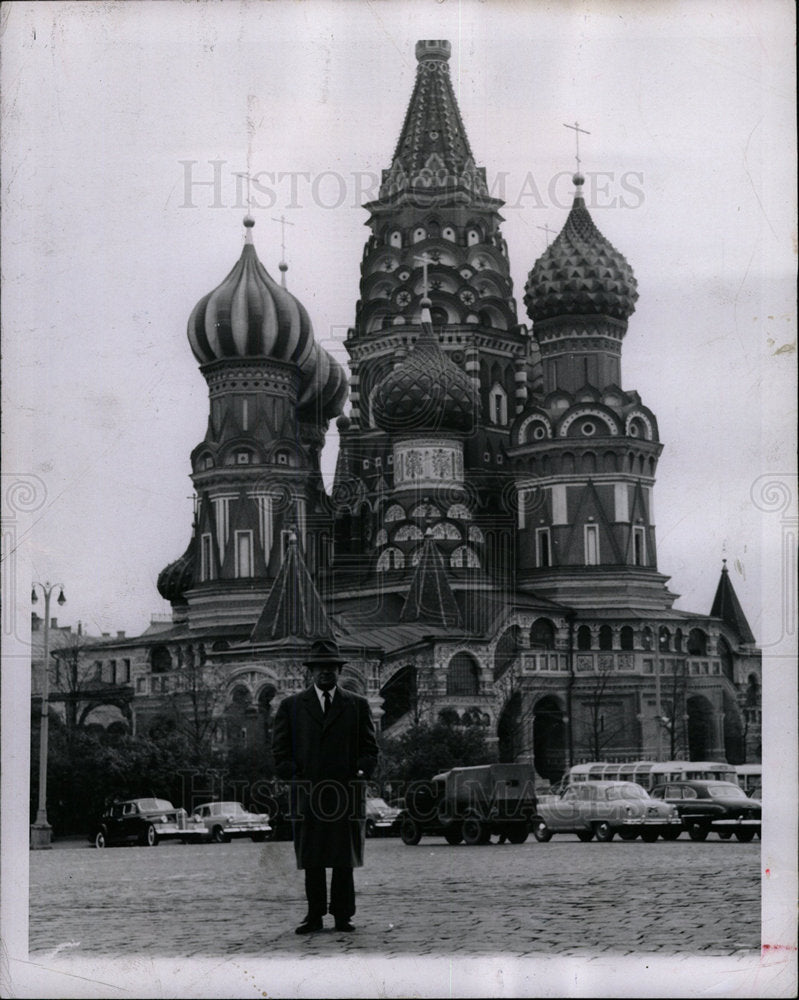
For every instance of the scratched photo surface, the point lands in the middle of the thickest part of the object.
(135, 140)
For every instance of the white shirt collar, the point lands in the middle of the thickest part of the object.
(320, 694)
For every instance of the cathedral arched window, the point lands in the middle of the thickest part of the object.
(473, 237)
(448, 233)
(583, 638)
(697, 642)
(419, 234)
(439, 316)
(390, 559)
(678, 640)
(498, 405)
(664, 639)
(396, 238)
(542, 634)
(605, 637)
(463, 675)
(459, 510)
(160, 660)
(463, 556)
(627, 638)
(646, 637)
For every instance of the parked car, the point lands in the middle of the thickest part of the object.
(471, 803)
(720, 807)
(142, 821)
(221, 821)
(381, 818)
(602, 809)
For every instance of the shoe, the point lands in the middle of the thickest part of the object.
(308, 926)
(344, 925)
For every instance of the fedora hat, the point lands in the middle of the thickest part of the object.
(324, 651)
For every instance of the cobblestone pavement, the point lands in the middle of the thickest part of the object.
(563, 898)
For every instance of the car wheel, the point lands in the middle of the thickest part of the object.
(541, 831)
(517, 834)
(411, 832)
(745, 835)
(604, 832)
(453, 834)
(99, 839)
(628, 833)
(585, 835)
(475, 831)
(697, 830)
(150, 838)
(726, 835)
(218, 835)
(671, 834)
(649, 835)
(370, 828)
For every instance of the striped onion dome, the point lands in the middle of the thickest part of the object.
(581, 273)
(426, 391)
(250, 315)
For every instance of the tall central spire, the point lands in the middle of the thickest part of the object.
(433, 152)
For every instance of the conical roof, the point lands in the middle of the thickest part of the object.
(430, 598)
(293, 607)
(433, 153)
(581, 273)
(426, 391)
(727, 607)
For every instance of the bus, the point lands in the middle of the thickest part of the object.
(750, 778)
(649, 773)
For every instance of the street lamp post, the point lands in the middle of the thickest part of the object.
(41, 831)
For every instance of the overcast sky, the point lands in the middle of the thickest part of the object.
(112, 112)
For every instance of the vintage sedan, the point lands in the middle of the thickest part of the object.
(720, 807)
(221, 821)
(602, 809)
(381, 818)
(142, 821)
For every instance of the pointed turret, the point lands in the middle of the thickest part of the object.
(293, 607)
(430, 598)
(727, 607)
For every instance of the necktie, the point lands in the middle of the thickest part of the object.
(326, 699)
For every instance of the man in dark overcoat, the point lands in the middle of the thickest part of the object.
(324, 743)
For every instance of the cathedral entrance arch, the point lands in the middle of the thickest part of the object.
(700, 728)
(549, 738)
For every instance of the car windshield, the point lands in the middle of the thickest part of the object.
(725, 790)
(378, 803)
(628, 790)
(154, 805)
(227, 807)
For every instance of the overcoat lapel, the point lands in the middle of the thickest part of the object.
(336, 708)
(312, 706)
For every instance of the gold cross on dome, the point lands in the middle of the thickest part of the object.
(547, 230)
(577, 131)
(283, 223)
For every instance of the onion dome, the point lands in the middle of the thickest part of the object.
(581, 273)
(250, 315)
(176, 578)
(426, 391)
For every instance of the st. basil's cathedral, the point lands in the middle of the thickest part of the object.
(488, 553)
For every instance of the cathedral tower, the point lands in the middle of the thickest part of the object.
(256, 473)
(585, 450)
(435, 230)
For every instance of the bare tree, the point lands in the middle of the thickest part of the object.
(77, 681)
(198, 698)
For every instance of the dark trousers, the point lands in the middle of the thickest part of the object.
(342, 893)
